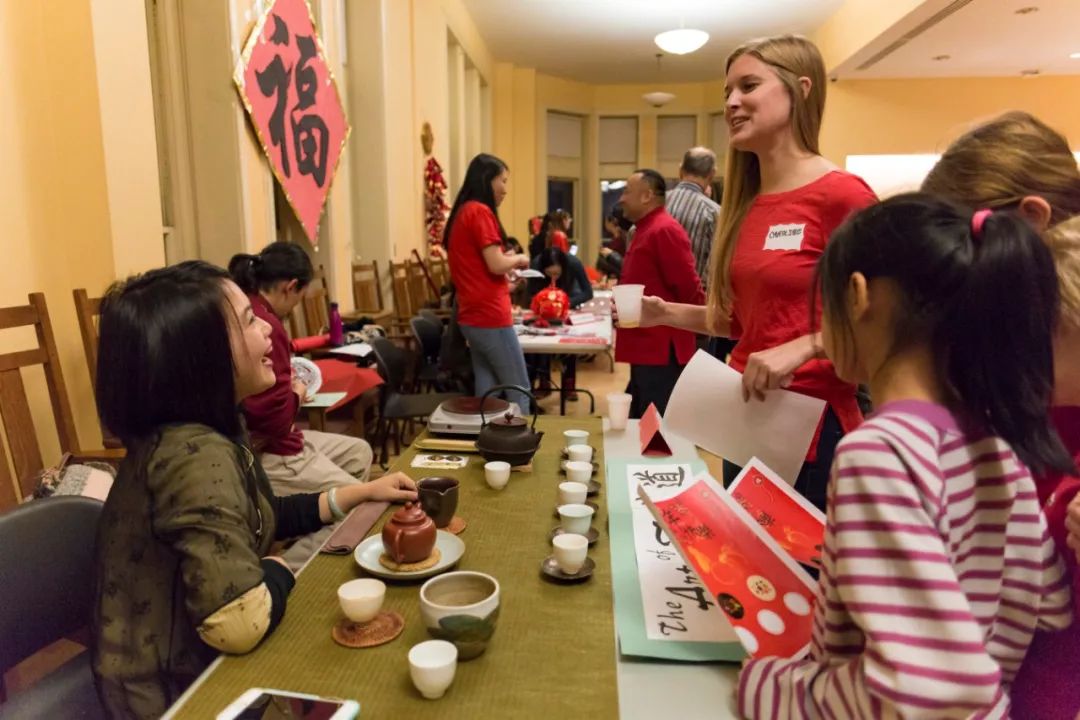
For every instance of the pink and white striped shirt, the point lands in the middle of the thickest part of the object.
(937, 571)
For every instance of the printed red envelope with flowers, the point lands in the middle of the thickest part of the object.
(789, 518)
(767, 597)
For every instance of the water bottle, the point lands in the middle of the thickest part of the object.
(337, 331)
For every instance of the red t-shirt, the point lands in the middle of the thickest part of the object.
(559, 240)
(271, 414)
(772, 270)
(483, 298)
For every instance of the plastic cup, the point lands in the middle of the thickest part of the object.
(628, 303)
(618, 410)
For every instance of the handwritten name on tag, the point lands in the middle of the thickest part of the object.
(785, 237)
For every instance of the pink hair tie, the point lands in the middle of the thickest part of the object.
(978, 220)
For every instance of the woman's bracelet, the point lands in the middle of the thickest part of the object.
(335, 509)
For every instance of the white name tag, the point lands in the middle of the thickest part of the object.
(785, 237)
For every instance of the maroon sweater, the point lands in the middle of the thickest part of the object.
(270, 415)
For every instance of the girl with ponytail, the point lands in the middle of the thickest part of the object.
(937, 569)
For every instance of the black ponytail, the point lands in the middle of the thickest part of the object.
(985, 298)
(278, 261)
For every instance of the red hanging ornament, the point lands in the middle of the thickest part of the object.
(435, 207)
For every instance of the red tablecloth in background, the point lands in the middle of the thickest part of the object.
(346, 377)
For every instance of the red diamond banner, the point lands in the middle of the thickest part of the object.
(293, 101)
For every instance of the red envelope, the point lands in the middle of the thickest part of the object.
(789, 518)
(767, 597)
(652, 442)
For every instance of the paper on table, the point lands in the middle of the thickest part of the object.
(360, 349)
(324, 400)
(530, 273)
(707, 408)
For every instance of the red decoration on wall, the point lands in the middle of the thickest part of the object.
(435, 207)
(293, 101)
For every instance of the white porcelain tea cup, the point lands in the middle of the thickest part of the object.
(576, 518)
(570, 552)
(432, 665)
(361, 599)
(572, 493)
(579, 453)
(575, 437)
(618, 409)
(497, 474)
(579, 472)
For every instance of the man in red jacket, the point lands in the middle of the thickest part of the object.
(660, 259)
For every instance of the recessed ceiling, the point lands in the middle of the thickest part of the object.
(611, 41)
(982, 38)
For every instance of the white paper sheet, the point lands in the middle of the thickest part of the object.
(360, 349)
(324, 400)
(672, 595)
(708, 409)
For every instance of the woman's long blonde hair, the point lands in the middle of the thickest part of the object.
(791, 57)
(1004, 160)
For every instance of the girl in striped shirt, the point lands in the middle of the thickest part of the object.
(937, 568)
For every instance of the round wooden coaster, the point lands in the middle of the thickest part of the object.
(432, 559)
(457, 525)
(383, 628)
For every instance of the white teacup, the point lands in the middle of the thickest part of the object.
(432, 665)
(497, 474)
(578, 472)
(575, 437)
(618, 409)
(580, 453)
(570, 551)
(572, 493)
(576, 518)
(361, 599)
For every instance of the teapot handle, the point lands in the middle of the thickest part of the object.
(483, 420)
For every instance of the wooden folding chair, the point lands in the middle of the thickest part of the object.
(314, 308)
(16, 477)
(88, 311)
(367, 293)
(404, 309)
(440, 271)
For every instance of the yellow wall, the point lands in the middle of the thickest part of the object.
(57, 225)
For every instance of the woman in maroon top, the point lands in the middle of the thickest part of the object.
(479, 269)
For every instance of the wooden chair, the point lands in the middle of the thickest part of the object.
(26, 459)
(440, 271)
(88, 311)
(419, 288)
(367, 293)
(404, 309)
(314, 308)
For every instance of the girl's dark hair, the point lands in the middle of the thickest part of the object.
(987, 304)
(554, 256)
(482, 172)
(618, 215)
(278, 261)
(147, 373)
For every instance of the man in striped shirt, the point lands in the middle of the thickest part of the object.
(937, 570)
(696, 211)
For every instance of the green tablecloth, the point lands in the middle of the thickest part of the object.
(553, 652)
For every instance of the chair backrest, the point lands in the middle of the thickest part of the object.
(88, 310)
(367, 292)
(428, 337)
(314, 308)
(399, 285)
(419, 287)
(440, 271)
(46, 573)
(391, 362)
(26, 459)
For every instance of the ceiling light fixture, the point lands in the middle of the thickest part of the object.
(658, 98)
(682, 41)
(1074, 56)
(941, 57)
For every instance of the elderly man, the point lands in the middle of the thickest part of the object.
(694, 210)
(660, 259)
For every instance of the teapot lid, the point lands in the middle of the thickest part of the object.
(410, 514)
(509, 420)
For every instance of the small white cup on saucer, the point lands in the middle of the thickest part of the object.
(432, 665)
(576, 518)
(575, 437)
(572, 493)
(497, 474)
(362, 599)
(580, 453)
(570, 552)
(578, 472)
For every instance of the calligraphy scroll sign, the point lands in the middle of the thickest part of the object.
(652, 441)
(294, 105)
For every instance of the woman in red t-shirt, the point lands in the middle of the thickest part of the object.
(782, 200)
(478, 269)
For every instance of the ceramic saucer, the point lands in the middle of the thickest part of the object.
(594, 488)
(592, 536)
(550, 568)
(590, 503)
(367, 555)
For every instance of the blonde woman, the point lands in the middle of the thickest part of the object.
(782, 199)
(1017, 162)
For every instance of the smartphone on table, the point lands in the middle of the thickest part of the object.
(266, 704)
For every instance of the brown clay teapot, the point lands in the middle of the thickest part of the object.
(507, 437)
(409, 535)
